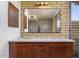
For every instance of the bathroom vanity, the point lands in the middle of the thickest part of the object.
(43, 21)
(41, 48)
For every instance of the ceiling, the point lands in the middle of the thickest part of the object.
(43, 13)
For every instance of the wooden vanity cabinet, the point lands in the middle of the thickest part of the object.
(40, 49)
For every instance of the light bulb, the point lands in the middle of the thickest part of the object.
(38, 3)
(42, 3)
(46, 3)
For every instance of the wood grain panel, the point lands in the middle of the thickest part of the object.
(40, 50)
(13, 15)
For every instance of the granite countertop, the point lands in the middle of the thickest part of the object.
(43, 40)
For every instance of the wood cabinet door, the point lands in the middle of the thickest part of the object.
(57, 50)
(24, 50)
(20, 50)
(12, 50)
(40, 50)
(69, 50)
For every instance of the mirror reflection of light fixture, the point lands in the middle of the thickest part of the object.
(42, 3)
(32, 17)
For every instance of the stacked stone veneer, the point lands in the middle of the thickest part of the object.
(64, 18)
(75, 34)
(75, 29)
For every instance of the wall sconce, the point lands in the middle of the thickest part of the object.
(42, 3)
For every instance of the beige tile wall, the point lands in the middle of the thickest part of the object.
(75, 29)
(75, 34)
(64, 12)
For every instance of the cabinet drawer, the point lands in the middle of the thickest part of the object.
(16, 44)
(56, 44)
(40, 44)
(69, 44)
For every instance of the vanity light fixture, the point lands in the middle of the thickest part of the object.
(42, 3)
(46, 3)
(37, 3)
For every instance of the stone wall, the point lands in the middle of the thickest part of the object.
(75, 34)
(75, 29)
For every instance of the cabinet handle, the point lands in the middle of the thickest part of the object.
(41, 47)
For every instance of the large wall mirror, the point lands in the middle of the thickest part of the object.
(41, 20)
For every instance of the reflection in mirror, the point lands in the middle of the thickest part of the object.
(42, 20)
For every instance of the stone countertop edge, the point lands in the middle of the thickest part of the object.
(43, 40)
